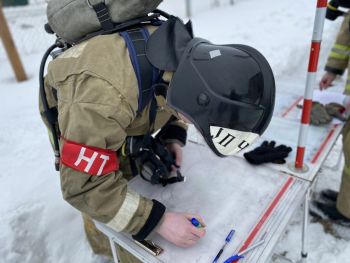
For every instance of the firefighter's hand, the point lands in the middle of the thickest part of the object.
(178, 229)
(176, 149)
(327, 80)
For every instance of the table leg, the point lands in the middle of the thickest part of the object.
(114, 250)
(304, 242)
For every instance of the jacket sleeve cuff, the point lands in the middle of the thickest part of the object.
(334, 70)
(174, 133)
(155, 216)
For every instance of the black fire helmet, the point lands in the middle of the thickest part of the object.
(227, 91)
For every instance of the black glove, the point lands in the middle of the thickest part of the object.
(267, 152)
(150, 159)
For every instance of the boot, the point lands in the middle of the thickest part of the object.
(328, 211)
(329, 195)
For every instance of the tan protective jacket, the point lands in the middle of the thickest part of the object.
(338, 60)
(97, 99)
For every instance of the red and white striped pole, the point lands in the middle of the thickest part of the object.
(310, 81)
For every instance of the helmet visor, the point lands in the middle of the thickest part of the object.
(227, 93)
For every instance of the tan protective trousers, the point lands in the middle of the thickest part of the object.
(100, 243)
(343, 201)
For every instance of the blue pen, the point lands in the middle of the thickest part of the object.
(195, 222)
(233, 259)
(227, 240)
(240, 255)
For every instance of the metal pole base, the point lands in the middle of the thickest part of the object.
(302, 170)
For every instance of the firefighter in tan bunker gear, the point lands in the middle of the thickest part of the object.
(94, 86)
(338, 61)
(98, 87)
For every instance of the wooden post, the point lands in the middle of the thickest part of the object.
(10, 48)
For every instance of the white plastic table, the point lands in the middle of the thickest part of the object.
(230, 193)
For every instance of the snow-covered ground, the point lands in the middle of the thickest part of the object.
(38, 226)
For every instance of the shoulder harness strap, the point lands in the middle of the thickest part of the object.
(147, 75)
